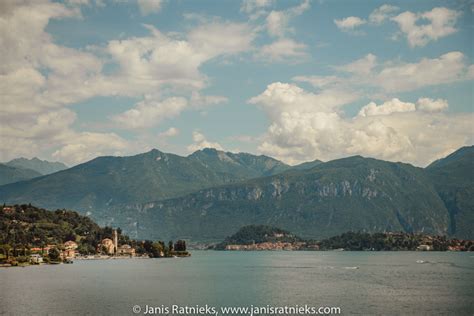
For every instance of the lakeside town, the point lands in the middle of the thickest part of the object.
(261, 238)
(32, 236)
(68, 251)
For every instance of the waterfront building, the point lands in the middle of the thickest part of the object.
(36, 259)
(108, 245)
(126, 250)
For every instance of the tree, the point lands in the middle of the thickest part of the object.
(6, 250)
(180, 245)
(156, 250)
(54, 254)
(170, 246)
(104, 250)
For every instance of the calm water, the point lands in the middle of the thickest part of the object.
(388, 283)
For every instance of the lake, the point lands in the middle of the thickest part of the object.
(360, 283)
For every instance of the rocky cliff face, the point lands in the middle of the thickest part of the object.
(348, 194)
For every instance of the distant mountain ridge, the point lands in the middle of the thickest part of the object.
(210, 193)
(44, 167)
(246, 165)
(21, 169)
(154, 175)
(9, 174)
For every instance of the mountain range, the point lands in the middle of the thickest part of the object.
(106, 181)
(10, 174)
(20, 169)
(210, 194)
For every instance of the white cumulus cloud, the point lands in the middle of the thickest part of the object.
(170, 132)
(388, 107)
(150, 112)
(303, 128)
(39, 78)
(349, 24)
(277, 21)
(382, 13)
(201, 142)
(421, 28)
(84, 146)
(430, 105)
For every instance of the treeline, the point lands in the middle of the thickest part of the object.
(393, 241)
(352, 241)
(256, 234)
(159, 249)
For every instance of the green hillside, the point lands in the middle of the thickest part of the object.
(23, 227)
(29, 226)
(349, 194)
(106, 181)
(453, 177)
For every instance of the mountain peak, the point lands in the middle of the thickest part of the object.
(207, 151)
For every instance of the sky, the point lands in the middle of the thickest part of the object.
(294, 80)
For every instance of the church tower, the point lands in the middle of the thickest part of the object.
(115, 242)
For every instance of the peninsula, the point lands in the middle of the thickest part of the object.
(32, 235)
(261, 237)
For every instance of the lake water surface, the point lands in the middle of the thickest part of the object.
(360, 283)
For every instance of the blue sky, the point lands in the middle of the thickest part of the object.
(296, 80)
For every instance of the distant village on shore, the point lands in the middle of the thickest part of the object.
(261, 237)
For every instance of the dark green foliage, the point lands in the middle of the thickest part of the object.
(357, 241)
(53, 254)
(27, 225)
(180, 245)
(255, 234)
(24, 226)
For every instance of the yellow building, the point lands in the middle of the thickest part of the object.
(108, 245)
(112, 247)
(126, 250)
